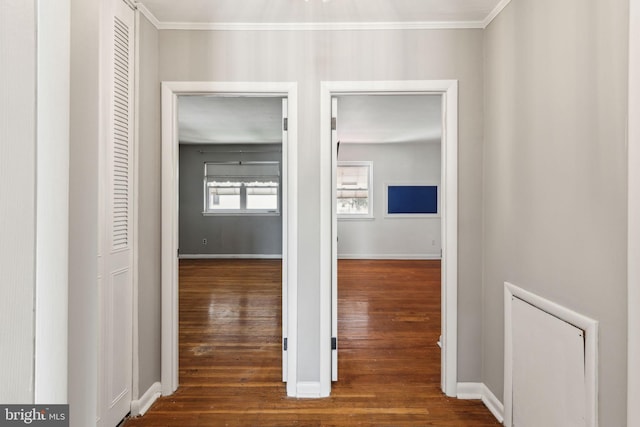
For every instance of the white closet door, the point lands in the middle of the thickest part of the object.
(116, 355)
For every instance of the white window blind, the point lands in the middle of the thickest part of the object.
(242, 188)
(353, 189)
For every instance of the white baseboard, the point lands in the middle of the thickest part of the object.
(390, 256)
(470, 391)
(479, 391)
(230, 256)
(491, 401)
(308, 389)
(140, 406)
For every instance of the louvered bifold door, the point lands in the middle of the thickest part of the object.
(117, 196)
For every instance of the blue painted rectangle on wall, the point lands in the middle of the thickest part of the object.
(412, 199)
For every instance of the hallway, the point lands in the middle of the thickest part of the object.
(389, 364)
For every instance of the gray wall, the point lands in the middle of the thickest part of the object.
(555, 174)
(149, 227)
(308, 57)
(17, 199)
(225, 234)
(388, 237)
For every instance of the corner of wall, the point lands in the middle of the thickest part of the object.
(479, 391)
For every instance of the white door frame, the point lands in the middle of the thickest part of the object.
(170, 143)
(328, 277)
(633, 252)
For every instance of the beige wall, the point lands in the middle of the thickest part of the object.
(308, 57)
(555, 189)
(149, 231)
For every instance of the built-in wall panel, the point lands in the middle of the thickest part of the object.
(549, 381)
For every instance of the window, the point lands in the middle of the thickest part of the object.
(245, 188)
(353, 190)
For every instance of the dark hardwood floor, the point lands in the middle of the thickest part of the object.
(389, 364)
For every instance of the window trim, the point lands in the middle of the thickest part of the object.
(243, 191)
(369, 215)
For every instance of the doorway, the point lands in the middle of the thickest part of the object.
(448, 206)
(171, 91)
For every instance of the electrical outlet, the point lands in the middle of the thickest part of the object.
(204, 241)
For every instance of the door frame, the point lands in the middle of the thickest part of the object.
(633, 226)
(170, 144)
(449, 199)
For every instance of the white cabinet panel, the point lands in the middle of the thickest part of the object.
(548, 369)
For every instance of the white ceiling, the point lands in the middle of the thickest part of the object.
(319, 11)
(233, 120)
(389, 118)
(361, 119)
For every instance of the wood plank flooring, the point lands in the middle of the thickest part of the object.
(389, 364)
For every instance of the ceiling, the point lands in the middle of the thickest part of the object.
(361, 119)
(321, 11)
(233, 120)
(378, 119)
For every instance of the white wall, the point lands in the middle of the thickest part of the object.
(52, 254)
(555, 182)
(388, 237)
(309, 57)
(17, 199)
(83, 211)
(34, 79)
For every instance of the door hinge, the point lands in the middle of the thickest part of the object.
(285, 124)
(284, 344)
(334, 343)
(334, 125)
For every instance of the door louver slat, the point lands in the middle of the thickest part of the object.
(121, 138)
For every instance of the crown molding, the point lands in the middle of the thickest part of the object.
(147, 14)
(319, 26)
(495, 12)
